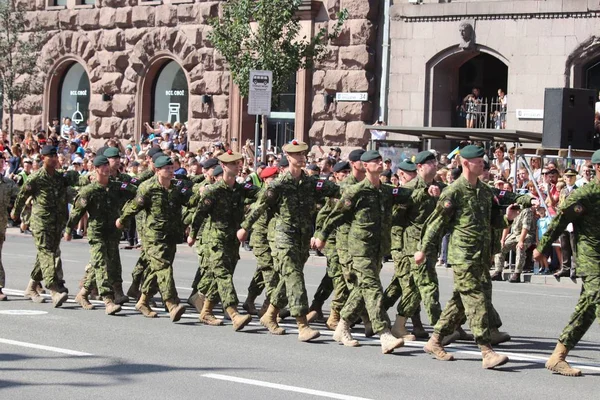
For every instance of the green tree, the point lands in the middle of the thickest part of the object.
(265, 35)
(19, 51)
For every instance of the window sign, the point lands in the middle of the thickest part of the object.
(170, 102)
(75, 97)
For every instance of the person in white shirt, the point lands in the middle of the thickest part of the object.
(586, 175)
(502, 164)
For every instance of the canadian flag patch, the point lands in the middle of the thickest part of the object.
(247, 186)
(395, 191)
(124, 185)
(320, 184)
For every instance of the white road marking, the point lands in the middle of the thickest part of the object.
(42, 347)
(23, 312)
(536, 294)
(278, 386)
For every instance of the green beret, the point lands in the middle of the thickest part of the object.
(48, 150)
(424, 156)
(471, 151)
(596, 157)
(100, 160)
(217, 171)
(163, 161)
(111, 152)
(407, 166)
(370, 155)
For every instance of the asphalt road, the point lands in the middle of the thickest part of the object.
(71, 353)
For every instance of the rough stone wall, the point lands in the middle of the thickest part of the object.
(117, 39)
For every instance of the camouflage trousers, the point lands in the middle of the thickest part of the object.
(419, 282)
(493, 316)
(200, 269)
(102, 274)
(334, 282)
(586, 312)
(393, 292)
(159, 273)
(142, 263)
(468, 299)
(2, 275)
(217, 279)
(366, 293)
(263, 276)
(510, 244)
(48, 264)
(288, 280)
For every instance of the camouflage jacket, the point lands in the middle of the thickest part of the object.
(341, 235)
(222, 207)
(292, 202)
(50, 197)
(8, 190)
(163, 209)
(526, 220)
(468, 213)
(582, 209)
(102, 203)
(260, 229)
(367, 210)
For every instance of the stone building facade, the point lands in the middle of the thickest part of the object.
(113, 52)
(520, 46)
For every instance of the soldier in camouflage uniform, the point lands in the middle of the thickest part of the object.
(419, 282)
(101, 200)
(521, 237)
(465, 210)
(259, 241)
(222, 207)
(582, 209)
(48, 187)
(8, 189)
(366, 206)
(291, 197)
(162, 198)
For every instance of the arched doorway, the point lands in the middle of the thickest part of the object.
(74, 96)
(592, 75)
(170, 94)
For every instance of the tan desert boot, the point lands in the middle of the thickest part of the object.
(134, 290)
(418, 329)
(435, 348)
(264, 308)
(558, 362)
(343, 335)
(315, 312)
(305, 332)
(197, 301)
(120, 297)
(58, 298)
(333, 320)
(110, 307)
(207, 317)
(32, 293)
(269, 321)
(249, 305)
(82, 299)
(491, 359)
(239, 320)
(389, 342)
(143, 307)
(176, 310)
(399, 330)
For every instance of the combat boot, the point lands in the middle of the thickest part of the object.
(368, 326)
(491, 359)
(315, 312)
(269, 320)
(120, 297)
(176, 310)
(498, 337)
(207, 317)
(418, 329)
(453, 337)
(515, 278)
(434, 347)
(264, 308)
(58, 298)
(464, 335)
(143, 307)
(558, 362)
(399, 330)
(333, 320)
(32, 293)
(134, 290)
(110, 307)
(239, 320)
(82, 299)
(197, 301)
(283, 314)
(39, 288)
(305, 332)
(343, 335)
(389, 342)
(249, 305)
(2, 296)
(497, 276)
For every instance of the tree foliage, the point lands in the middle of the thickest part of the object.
(264, 35)
(19, 52)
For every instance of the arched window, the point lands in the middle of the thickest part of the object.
(170, 94)
(74, 96)
(592, 75)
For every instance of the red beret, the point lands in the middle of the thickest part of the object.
(268, 172)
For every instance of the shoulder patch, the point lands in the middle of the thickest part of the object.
(208, 202)
(133, 180)
(83, 201)
(578, 208)
(320, 184)
(347, 203)
(179, 182)
(184, 190)
(248, 186)
(447, 204)
(502, 193)
(28, 187)
(271, 194)
(395, 191)
(140, 200)
(124, 185)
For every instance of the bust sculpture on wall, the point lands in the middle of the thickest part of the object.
(467, 36)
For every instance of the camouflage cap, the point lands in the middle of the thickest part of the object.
(370, 155)
(596, 157)
(424, 156)
(230, 156)
(407, 166)
(295, 146)
(163, 161)
(100, 160)
(471, 151)
(111, 152)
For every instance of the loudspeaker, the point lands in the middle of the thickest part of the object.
(569, 118)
